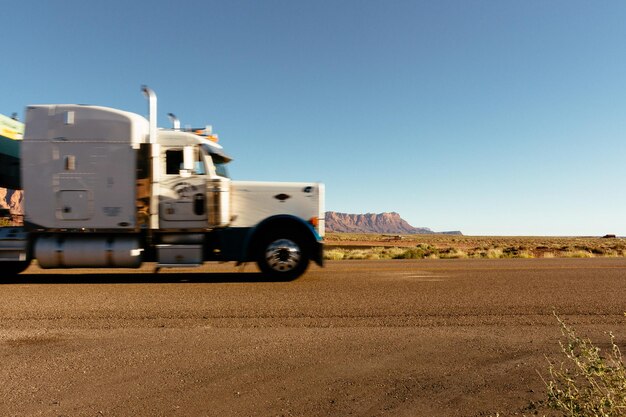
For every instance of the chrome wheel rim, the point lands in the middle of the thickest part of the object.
(283, 255)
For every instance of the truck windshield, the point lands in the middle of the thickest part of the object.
(220, 159)
(220, 166)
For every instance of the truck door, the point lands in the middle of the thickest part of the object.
(182, 197)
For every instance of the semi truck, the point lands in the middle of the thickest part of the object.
(106, 188)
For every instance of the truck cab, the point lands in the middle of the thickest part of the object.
(194, 186)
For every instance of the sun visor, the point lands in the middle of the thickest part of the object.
(217, 152)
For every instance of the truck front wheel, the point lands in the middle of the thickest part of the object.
(282, 257)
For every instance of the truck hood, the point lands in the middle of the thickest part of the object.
(254, 201)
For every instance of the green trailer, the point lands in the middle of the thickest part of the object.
(11, 133)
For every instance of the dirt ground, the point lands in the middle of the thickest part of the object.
(363, 338)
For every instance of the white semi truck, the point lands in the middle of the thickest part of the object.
(106, 188)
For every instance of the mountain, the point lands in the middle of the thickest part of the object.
(373, 223)
(12, 200)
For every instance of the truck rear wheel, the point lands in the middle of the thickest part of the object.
(282, 256)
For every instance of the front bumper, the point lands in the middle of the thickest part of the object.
(317, 253)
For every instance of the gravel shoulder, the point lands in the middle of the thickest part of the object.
(397, 338)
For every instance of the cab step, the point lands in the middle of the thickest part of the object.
(174, 256)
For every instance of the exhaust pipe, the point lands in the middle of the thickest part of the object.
(152, 115)
(155, 177)
(174, 120)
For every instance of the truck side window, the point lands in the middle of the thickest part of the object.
(173, 161)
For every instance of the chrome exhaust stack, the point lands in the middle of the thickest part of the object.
(154, 156)
(174, 120)
(152, 113)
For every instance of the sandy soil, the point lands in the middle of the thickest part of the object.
(366, 338)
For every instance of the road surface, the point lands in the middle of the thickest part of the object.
(363, 338)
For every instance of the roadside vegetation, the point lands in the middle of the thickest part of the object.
(589, 381)
(341, 246)
(586, 381)
(8, 220)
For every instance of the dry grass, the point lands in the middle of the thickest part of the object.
(377, 246)
(587, 381)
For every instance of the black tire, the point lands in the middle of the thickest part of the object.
(282, 256)
(12, 268)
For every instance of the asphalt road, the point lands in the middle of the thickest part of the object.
(363, 338)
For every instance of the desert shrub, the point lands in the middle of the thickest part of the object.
(411, 253)
(548, 255)
(426, 247)
(495, 253)
(454, 254)
(577, 254)
(593, 250)
(508, 252)
(588, 382)
(523, 254)
(334, 254)
(357, 254)
(392, 253)
(511, 250)
(420, 251)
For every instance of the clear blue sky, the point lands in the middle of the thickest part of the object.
(490, 117)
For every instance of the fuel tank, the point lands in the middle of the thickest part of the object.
(59, 251)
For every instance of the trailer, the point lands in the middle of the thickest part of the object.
(11, 133)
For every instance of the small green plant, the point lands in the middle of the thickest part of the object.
(587, 383)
